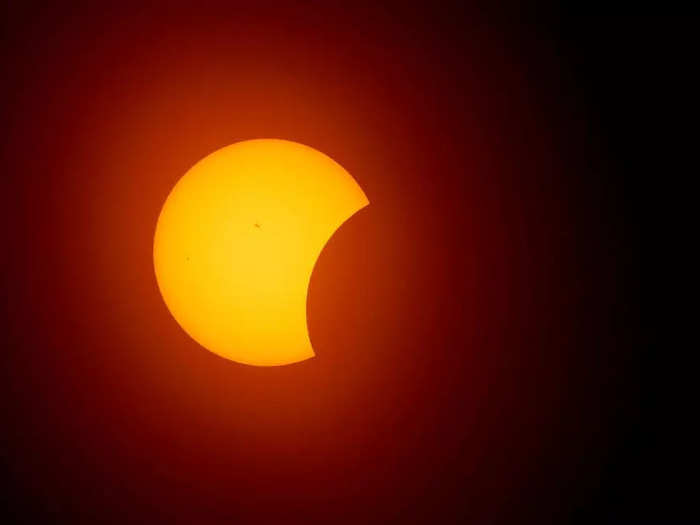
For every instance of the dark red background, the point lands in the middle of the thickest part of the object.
(474, 357)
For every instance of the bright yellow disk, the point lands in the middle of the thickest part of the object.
(237, 240)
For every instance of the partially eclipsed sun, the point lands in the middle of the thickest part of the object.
(237, 240)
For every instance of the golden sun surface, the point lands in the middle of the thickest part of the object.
(236, 242)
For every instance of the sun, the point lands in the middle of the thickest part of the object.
(236, 242)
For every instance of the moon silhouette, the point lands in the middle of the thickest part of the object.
(236, 242)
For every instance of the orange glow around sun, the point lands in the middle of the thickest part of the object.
(237, 240)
